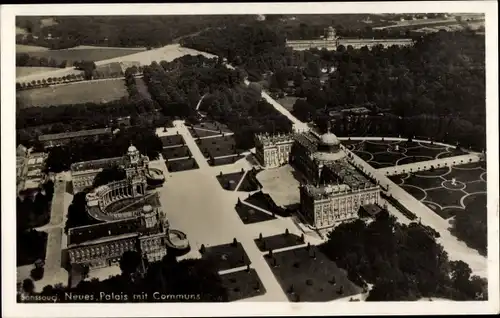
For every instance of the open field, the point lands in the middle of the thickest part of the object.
(76, 93)
(435, 188)
(166, 53)
(87, 53)
(28, 70)
(21, 48)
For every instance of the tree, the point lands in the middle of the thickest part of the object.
(108, 175)
(28, 286)
(130, 262)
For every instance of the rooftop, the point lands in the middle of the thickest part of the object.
(348, 174)
(96, 164)
(75, 134)
(308, 140)
(266, 138)
(109, 230)
(324, 191)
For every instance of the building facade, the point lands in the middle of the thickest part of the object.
(136, 167)
(103, 244)
(331, 42)
(273, 151)
(334, 189)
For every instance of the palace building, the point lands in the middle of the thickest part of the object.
(128, 215)
(334, 189)
(134, 164)
(103, 244)
(331, 42)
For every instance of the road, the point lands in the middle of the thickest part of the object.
(196, 204)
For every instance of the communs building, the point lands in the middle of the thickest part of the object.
(334, 189)
(331, 41)
(127, 216)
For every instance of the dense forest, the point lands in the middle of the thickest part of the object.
(254, 47)
(402, 262)
(472, 227)
(178, 87)
(197, 279)
(118, 31)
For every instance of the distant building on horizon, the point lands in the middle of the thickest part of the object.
(331, 42)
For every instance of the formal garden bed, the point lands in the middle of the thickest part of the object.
(226, 256)
(243, 284)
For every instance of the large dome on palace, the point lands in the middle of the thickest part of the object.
(329, 139)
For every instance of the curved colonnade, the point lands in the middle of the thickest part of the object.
(114, 192)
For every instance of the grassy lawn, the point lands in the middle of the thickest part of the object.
(307, 275)
(77, 93)
(28, 70)
(226, 256)
(230, 181)
(175, 152)
(243, 284)
(250, 215)
(182, 165)
(173, 140)
(278, 241)
(87, 54)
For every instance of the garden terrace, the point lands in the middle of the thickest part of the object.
(242, 284)
(226, 256)
(173, 140)
(278, 241)
(176, 152)
(307, 275)
(230, 181)
(181, 165)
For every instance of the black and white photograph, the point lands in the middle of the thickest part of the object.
(246, 155)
